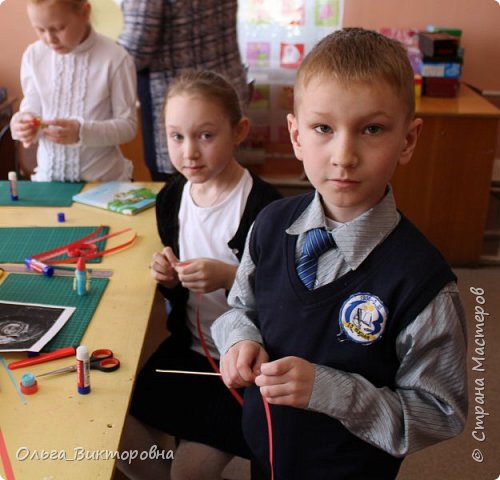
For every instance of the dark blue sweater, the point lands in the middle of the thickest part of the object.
(350, 324)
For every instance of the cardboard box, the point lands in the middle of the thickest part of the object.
(437, 44)
(440, 87)
(442, 70)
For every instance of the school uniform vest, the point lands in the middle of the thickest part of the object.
(350, 324)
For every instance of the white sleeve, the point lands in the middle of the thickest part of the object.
(122, 127)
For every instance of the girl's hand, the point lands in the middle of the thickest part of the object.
(163, 268)
(64, 131)
(25, 129)
(203, 275)
(287, 381)
(241, 363)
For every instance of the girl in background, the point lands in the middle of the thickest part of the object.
(79, 96)
(203, 218)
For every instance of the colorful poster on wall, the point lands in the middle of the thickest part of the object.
(258, 54)
(327, 13)
(291, 55)
(257, 11)
(284, 12)
(274, 37)
(261, 96)
(292, 12)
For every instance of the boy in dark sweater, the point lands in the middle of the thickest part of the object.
(358, 346)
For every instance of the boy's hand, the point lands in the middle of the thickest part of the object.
(241, 363)
(64, 131)
(25, 129)
(204, 275)
(163, 268)
(287, 381)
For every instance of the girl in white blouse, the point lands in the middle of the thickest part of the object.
(79, 100)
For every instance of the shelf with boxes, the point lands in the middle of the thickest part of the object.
(436, 56)
(442, 60)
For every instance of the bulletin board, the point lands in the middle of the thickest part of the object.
(274, 37)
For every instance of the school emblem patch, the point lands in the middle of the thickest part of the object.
(363, 318)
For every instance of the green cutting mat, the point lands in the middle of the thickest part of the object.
(56, 291)
(40, 194)
(17, 243)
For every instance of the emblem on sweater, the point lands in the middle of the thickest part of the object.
(363, 318)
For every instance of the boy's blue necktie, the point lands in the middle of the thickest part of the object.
(317, 242)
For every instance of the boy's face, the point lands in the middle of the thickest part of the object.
(350, 138)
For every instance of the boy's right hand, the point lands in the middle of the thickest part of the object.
(241, 363)
(25, 129)
(162, 268)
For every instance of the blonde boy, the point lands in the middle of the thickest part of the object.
(359, 349)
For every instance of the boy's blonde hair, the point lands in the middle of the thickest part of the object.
(356, 54)
(208, 84)
(74, 5)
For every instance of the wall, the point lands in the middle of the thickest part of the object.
(479, 19)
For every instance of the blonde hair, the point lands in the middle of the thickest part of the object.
(74, 5)
(208, 84)
(356, 54)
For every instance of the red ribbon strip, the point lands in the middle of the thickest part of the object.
(84, 247)
(236, 395)
(4, 456)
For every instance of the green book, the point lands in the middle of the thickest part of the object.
(128, 198)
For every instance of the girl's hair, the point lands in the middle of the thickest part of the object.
(208, 84)
(75, 5)
(356, 54)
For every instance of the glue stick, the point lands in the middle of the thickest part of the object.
(13, 185)
(81, 277)
(83, 369)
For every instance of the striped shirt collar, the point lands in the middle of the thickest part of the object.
(357, 238)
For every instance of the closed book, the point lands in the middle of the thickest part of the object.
(128, 198)
(441, 69)
(437, 44)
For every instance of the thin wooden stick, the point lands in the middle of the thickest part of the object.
(188, 372)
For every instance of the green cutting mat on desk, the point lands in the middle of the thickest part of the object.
(17, 243)
(56, 291)
(40, 194)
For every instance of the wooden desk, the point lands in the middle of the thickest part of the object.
(444, 190)
(57, 420)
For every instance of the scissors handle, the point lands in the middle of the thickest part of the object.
(103, 360)
(100, 354)
(107, 365)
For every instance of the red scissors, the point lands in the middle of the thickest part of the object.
(101, 359)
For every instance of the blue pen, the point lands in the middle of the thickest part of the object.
(38, 266)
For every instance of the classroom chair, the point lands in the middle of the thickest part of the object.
(8, 159)
(14, 157)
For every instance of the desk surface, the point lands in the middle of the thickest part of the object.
(57, 420)
(467, 103)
